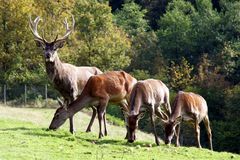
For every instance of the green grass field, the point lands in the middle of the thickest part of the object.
(23, 135)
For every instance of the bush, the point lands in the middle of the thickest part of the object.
(140, 74)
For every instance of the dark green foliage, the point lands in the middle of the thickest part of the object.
(131, 19)
(101, 43)
(147, 54)
(227, 130)
(140, 74)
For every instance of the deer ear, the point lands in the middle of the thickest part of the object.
(60, 102)
(178, 120)
(59, 44)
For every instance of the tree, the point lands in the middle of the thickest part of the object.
(231, 19)
(229, 61)
(175, 33)
(17, 58)
(101, 43)
(206, 29)
(180, 75)
(131, 19)
(155, 10)
(146, 54)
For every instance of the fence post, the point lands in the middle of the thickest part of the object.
(46, 96)
(25, 94)
(5, 94)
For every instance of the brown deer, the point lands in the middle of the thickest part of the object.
(190, 107)
(68, 79)
(149, 94)
(114, 87)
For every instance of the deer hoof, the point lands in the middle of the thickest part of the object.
(100, 136)
(105, 133)
(73, 132)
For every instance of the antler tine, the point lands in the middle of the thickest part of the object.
(33, 27)
(164, 116)
(66, 24)
(68, 30)
(43, 36)
(73, 22)
(56, 38)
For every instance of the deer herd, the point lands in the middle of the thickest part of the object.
(83, 87)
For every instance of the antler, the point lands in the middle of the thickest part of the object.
(33, 26)
(68, 30)
(164, 117)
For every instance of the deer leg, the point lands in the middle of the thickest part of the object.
(100, 117)
(207, 125)
(197, 130)
(126, 137)
(124, 108)
(71, 125)
(154, 127)
(177, 135)
(101, 109)
(94, 113)
(105, 124)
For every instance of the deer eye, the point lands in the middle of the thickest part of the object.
(55, 48)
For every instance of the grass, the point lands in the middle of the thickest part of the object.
(23, 135)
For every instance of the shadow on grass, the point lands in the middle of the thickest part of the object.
(18, 128)
(47, 134)
(117, 142)
(122, 142)
(89, 137)
(37, 132)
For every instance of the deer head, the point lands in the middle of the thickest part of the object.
(60, 116)
(169, 126)
(50, 48)
(132, 125)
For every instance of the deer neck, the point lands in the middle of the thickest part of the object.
(78, 104)
(136, 105)
(55, 68)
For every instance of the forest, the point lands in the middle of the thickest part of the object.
(191, 45)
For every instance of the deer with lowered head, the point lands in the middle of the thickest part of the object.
(149, 94)
(189, 107)
(68, 79)
(114, 87)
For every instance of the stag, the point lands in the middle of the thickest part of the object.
(189, 107)
(114, 87)
(68, 79)
(149, 94)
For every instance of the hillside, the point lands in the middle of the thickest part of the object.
(24, 136)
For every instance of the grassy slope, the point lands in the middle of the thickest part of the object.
(23, 135)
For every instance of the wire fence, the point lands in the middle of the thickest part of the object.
(27, 94)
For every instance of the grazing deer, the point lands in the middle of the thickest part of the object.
(68, 79)
(114, 87)
(149, 94)
(187, 107)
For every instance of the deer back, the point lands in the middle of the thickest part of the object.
(149, 92)
(187, 104)
(116, 85)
